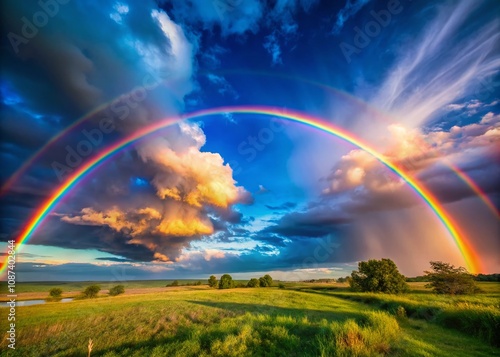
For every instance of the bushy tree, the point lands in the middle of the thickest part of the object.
(197, 283)
(91, 291)
(226, 282)
(55, 292)
(117, 290)
(445, 278)
(378, 276)
(212, 281)
(175, 283)
(266, 281)
(253, 283)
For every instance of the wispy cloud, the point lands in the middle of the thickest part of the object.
(350, 9)
(436, 70)
(272, 46)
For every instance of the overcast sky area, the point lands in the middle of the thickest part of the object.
(247, 193)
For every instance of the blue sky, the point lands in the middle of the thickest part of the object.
(246, 194)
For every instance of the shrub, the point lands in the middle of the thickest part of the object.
(175, 283)
(55, 292)
(253, 283)
(198, 283)
(378, 276)
(117, 290)
(372, 336)
(401, 312)
(91, 291)
(212, 281)
(266, 281)
(446, 279)
(281, 286)
(226, 282)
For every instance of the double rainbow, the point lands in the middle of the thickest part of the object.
(375, 112)
(469, 255)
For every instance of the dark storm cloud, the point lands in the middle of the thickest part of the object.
(318, 221)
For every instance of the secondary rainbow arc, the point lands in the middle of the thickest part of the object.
(470, 257)
(483, 196)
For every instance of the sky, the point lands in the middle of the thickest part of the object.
(246, 193)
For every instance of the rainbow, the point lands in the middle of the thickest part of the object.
(483, 196)
(469, 255)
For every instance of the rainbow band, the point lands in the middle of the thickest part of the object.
(345, 95)
(471, 259)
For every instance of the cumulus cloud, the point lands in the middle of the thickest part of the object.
(190, 187)
(138, 51)
(419, 154)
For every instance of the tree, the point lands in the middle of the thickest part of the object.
(55, 293)
(253, 283)
(175, 283)
(226, 282)
(117, 290)
(378, 276)
(447, 279)
(266, 281)
(91, 291)
(212, 281)
(198, 283)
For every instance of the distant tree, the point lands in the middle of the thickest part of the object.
(91, 291)
(488, 277)
(253, 283)
(266, 281)
(175, 283)
(445, 278)
(341, 280)
(117, 290)
(55, 293)
(198, 283)
(378, 276)
(226, 282)
(281, 286)
(212, 281)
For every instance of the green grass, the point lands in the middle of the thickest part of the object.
(477, 315)
(32, 287)
(235, 322)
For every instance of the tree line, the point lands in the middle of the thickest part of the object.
(383, 276)
(226, 282)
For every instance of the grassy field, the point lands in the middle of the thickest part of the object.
(301, 320)
(44, 287)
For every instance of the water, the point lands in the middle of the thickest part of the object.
(32, 302)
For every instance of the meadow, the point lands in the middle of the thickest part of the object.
(300, 320)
